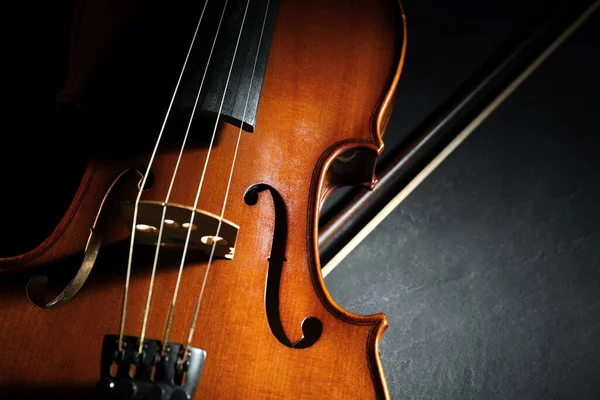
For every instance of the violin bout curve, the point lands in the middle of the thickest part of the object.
(353, 162)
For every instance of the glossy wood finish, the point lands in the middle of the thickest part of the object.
(331, 76)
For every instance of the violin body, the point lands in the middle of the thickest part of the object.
(331, 76)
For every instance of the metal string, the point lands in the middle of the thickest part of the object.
(191, 222)
(143, 184)
(212, 252)
(164, 206)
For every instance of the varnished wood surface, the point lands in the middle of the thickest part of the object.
(332, 71)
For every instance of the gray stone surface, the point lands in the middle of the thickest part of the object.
(489, 272)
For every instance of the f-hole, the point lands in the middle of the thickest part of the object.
(311, 326)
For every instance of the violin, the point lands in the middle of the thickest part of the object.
(185, 264)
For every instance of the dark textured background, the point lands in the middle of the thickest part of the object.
(489, 272)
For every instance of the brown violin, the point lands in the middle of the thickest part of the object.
(185, 264)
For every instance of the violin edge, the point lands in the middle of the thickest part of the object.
(326, 186)
(28, 259)
(385, 106)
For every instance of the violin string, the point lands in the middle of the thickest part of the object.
(168, 196)
(191, 221)
(143, 184)
(212, 252)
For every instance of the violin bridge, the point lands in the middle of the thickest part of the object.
(176, 224)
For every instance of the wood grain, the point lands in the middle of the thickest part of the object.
(330, 80)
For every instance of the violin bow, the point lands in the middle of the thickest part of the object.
(363, 210)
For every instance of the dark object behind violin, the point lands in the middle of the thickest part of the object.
(251, 317)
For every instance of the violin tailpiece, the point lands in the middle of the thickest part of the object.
(127, 374)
